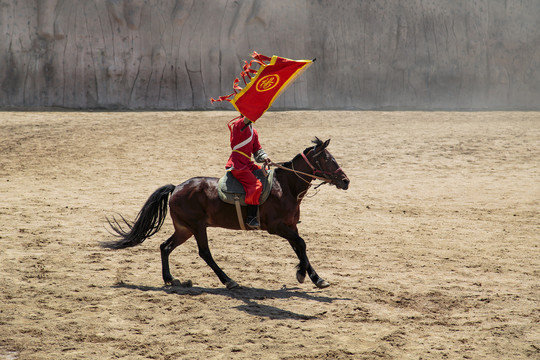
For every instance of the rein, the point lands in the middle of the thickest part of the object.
(300, 172)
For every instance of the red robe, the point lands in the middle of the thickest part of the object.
(244, 144)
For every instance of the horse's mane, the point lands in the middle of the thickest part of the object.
(288, 164)
(316, 141)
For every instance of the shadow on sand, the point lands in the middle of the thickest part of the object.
(249, 296)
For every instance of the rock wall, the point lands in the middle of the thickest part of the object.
(176, 54)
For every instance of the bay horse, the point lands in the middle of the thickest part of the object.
(194, 205)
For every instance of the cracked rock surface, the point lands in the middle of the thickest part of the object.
(149, 54)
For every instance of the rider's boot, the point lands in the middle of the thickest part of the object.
(252, 220)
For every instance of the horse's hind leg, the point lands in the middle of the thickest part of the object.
(206, 255)
(178, 238)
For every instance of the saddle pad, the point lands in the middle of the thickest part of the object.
(229, 187)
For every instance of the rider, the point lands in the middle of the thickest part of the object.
(244, 143)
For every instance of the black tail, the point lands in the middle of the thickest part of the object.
(147, 223)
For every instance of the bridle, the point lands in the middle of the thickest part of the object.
(327, 176)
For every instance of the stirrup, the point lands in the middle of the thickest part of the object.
(253, 223)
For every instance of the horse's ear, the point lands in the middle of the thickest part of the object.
(326, 143)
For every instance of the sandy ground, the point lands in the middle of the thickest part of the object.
(432, 253)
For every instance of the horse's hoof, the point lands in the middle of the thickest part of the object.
(231, 284)
(300, 277)
(321, 284)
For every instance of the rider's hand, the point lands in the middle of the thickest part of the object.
(267, 161)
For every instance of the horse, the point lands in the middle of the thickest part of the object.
(194, 206)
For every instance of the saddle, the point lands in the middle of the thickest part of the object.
(231, 191)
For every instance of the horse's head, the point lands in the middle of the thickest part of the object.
(324, 165)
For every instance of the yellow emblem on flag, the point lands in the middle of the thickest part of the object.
(267, 82)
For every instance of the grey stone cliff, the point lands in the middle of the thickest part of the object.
(176, 54)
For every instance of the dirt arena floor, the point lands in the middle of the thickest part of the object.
(433, 252)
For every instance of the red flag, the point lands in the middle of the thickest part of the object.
(274, 75)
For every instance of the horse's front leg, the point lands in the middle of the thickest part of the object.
(299, 246)
(301, 272)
